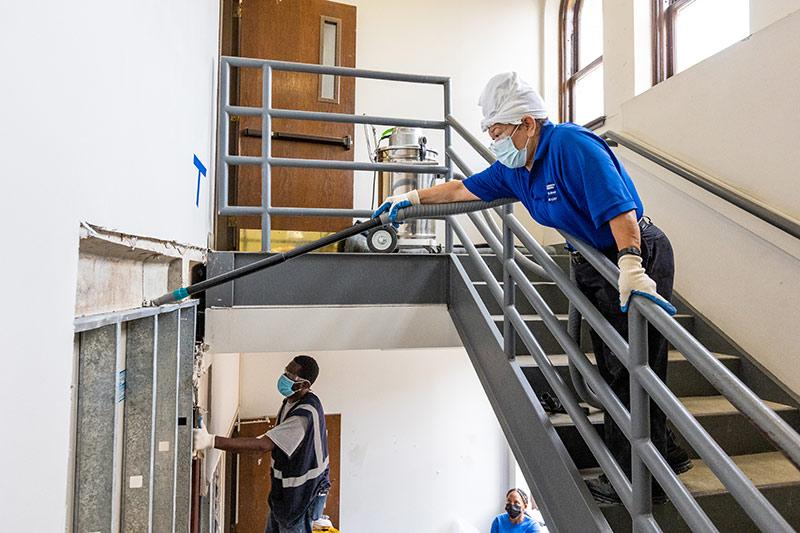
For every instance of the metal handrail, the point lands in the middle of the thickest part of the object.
(646, 459)
(715, 187)
(646, 384)
(266, 160)
(582, 423)
(777, 429)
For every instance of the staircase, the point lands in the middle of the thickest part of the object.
(769, 470)
(552, 454)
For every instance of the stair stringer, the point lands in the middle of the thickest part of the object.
(548, 468)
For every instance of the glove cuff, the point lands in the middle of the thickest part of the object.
(629, 261)
(413, 197)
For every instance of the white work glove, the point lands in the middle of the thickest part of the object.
(202, 439)
(399, 201)
(634, 280)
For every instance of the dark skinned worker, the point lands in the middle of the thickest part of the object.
(299, 446)
(568, 179)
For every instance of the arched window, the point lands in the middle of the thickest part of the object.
(581, 65)
(686, 32)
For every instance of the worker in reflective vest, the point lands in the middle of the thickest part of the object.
(299, 446)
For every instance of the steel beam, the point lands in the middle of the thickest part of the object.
(319, 212)
(119, 425)
(352, 119)
(355, 165)
(85, 323)
(165, 420)
(641, 481)
(140, 349)
(266, 153)
(313, 68)
(183, 448)
(94, 463)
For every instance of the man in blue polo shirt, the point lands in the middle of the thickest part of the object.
(569, 179)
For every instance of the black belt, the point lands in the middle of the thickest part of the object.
(578, 259)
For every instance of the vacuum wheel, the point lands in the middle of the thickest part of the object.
(382, 239)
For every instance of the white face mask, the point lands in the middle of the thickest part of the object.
(508, 154)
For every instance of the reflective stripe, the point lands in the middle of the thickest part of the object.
(297, 481)
(321, 465)
(317, 433)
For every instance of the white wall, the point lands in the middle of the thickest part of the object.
(224, 406)
(734, 117)
(103, 108)
(355, 327)
(421, 449)
(765, 12)
(628, 55)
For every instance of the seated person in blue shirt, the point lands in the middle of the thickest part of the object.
(514, 520)
(569, 179)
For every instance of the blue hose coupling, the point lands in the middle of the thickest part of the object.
(180, 294)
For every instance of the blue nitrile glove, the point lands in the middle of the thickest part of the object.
(393, 203)
(634, 280)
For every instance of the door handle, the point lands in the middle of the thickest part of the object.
(345, 142)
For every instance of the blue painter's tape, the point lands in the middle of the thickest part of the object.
(180, 294)
(201, 171)
(200, 167)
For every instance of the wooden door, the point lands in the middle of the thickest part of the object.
(303, 31)
(254, 480)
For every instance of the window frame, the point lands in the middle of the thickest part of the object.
(663, 16)
(324, 19)
(569, 60)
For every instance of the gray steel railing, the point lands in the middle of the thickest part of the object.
(647, 462)
(644, 383)
(266, 160)
(717, 188)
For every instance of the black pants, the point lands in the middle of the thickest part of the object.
(659, 264)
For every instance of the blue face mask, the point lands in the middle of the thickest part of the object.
(285, 386)
(508, 154)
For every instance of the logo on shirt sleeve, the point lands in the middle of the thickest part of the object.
(552, 194)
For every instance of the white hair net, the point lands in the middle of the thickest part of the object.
(507, 98)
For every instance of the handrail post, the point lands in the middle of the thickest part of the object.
(224, 137)
(641, 481)
(509, 335)
(448, 135)
(266, 154)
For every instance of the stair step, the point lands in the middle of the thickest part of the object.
(496, 266)
(771, 472)
(726, 425)
(562, 359)
(699, 406)
(682, 377)
(549, 290)
(730, 428)
(765, 470)
(550, 344)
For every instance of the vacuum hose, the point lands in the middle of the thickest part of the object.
(416, 211)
